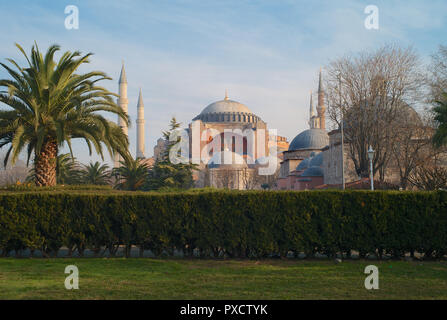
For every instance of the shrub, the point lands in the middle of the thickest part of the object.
(238, 224)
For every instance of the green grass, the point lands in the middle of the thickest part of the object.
(229, 279)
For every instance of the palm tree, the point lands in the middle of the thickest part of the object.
(67, 170)
(95, 173)
(50, 105)
(440, 111)
(131, 175)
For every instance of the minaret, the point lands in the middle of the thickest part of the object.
(122, 102)
(321, 108)
(140, 127)
(311, 113)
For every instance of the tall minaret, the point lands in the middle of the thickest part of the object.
(140, 127)
(321, 108)
(122, 102)
(311, 113)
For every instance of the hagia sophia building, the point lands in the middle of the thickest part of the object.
(312, 160)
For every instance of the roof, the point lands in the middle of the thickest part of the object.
(310, 139)
(312, 172)
(316, 161)
(123, 78)
(226, 105)
(303, 165)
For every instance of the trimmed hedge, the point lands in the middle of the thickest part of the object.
(239, 224)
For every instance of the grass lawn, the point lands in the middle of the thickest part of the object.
(210, 279)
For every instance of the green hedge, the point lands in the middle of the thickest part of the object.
(239, 224)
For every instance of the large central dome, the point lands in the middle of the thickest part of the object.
(227, 110)
(226, 106)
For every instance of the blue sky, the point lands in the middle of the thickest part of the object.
(185, 53)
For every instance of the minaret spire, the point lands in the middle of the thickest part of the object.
(320, 84)
(123, 78)
(321, 108)
(123, 103)
(140, 126)
(226, 94)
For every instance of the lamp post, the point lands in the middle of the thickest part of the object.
(342, 136)
(371, 156)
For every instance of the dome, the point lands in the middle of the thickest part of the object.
(227, 158)
(225, 106)
(303, 165)
(310, 139)
(313, 172)
(227, 110)
(316, 161)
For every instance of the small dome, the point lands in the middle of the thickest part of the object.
(316, 161)
(310, 139)
(303, 165)
(228, 159)
(313, 172)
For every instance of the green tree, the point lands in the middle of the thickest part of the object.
(131, 174)
(440, 112)
(95, 173)
(164, 173)
(51, 104)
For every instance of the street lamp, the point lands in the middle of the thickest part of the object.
(370, 157)
(342, 135)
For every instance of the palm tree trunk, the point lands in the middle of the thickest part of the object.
(45, 163)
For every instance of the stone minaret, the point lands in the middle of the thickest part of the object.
(122, 102)
(140, 127)
(312, 117)
(321, 108)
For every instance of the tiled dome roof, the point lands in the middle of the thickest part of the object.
(227, 110)
(310, 139)
(226, 106)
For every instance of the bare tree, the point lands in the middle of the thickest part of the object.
(438, 73)
(225, 178)
(429, 175)
(412, 144)
(370, 89)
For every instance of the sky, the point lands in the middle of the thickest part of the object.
(184, 54)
